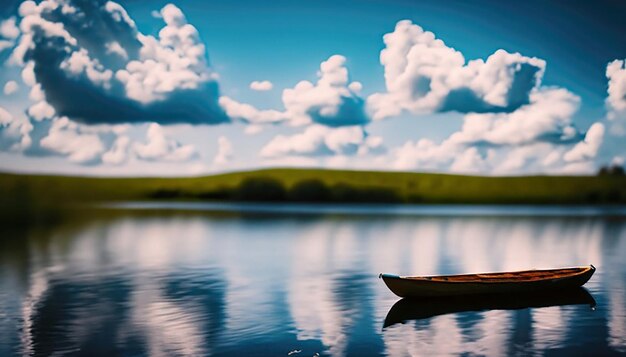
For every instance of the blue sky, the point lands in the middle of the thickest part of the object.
(545, 104)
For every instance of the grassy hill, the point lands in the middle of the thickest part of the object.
(315, 185)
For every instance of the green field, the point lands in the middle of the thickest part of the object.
(313, 185)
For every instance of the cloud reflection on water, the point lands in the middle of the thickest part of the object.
(201, 285)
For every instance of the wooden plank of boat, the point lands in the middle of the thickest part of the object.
(526, 281)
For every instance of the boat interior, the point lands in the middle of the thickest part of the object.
(518, 276)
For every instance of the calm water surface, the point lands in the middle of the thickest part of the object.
(267, 284)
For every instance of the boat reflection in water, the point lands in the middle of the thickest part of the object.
(409, 309)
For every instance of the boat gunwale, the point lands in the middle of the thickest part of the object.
(438, 278)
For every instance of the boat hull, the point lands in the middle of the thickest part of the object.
(418, 287)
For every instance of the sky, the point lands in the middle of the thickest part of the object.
(157, 88)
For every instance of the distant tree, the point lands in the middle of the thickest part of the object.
(310, 191)
(342, 192)
(166, 193)
(347, 193)
(611, 170)
(260, 189)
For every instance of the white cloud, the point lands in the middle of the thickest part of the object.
(588, 148)
(118, 152)
(261, 85)
(15, 134)
(469, 161)
(4, 44)
(8, 29)
(547, 117)
(318, 140)
(10, 87)
(253, 129)
(332, 101)
(41, 110)
(536, 157)
(79, 62)
(616, 73)
(66, 138)
(159, 147)
(424, 155)
(36, 94)
(616, 99)
(116, 48)
(28, 74)
(5, 116)
(537, 137)
(118, 13)
(14, 131)
(9, 32)
(33, 24)
(250, 114)
(174, 61)
(166, 77)
(224, 151)
(423, 75)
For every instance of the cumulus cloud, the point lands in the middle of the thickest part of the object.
(41, 111)
(105, 71)
(424, 154)
(66, 138)
(253, 129)
(537, 137)
(224, 151)
(333, 101)
(87, 63)
(318, 140)
(547, 118)
(175, 61)
(261, 85)
(616, 73)
(10, 87)
(8, 33)
(423, 75)
(8, 29)
(5, 44)
(158, 147)
(118, 153)
(249, 114)
(14, 132)
(588, 148)
(116, 48)
(5, 116)
(616, 99)
(536, 157)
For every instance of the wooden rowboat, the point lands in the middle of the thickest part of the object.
(526, 281)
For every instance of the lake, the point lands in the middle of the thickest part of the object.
(145, 279)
